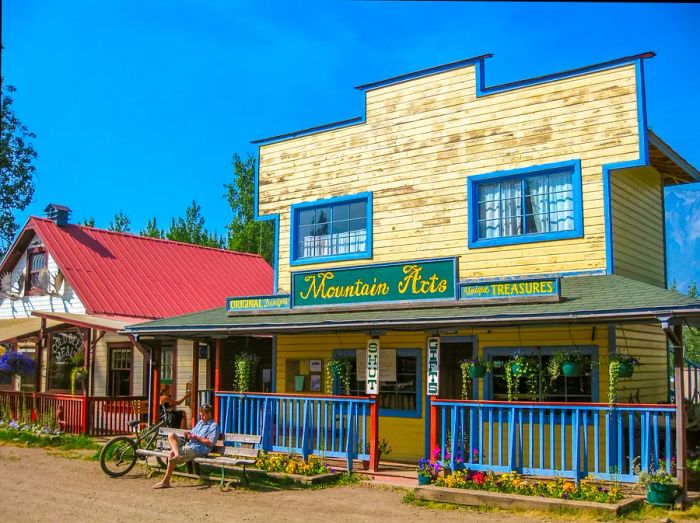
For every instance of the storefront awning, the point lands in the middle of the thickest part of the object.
(18, 328)
(590, 299)
(103, 323)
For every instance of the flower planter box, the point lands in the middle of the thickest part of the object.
(511, 501)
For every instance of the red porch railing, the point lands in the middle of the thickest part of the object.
(102, 416)
(108, 415)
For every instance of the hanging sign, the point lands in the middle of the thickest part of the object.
(388, 282)
(387, 365)
(257, 303)
(372, 366)
(433, 366)
(505, 289)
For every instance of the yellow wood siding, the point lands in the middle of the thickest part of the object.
(406, 436)
(638, 222)
(424, 137)
(650, 380)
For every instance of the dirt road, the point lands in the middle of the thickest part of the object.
(37, 486)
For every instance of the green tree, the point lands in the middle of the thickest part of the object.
(191, 229)
(16, 169)
(120, 223)
(691, 335)
(245, 234)
(89, 222)
(151, 230)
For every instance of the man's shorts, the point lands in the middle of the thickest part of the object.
(187, 453)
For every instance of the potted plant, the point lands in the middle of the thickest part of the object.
(620, 366)
(383, 447)
(472, 369)
(245, 365)
(570, 364)
(338, 371)
(427, 471)
(521, 366)
(662, 487)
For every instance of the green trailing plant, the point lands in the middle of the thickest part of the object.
(474, 368)
(521, 366)
(245, 366)
(340, 369)
(620, 366)
(559, 358)
(77, 375)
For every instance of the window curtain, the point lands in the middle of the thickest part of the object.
(490, 211)
(537, 198)
(511, 201)
(561, 202)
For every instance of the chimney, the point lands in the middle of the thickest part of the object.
(59, 214)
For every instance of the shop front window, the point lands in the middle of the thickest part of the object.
(66, 353)
(5, 379)
(537, 385)
(120, 371)
(399, 379)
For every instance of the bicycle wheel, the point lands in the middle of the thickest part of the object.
(118, 456)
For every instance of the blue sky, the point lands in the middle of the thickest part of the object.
(139, 106)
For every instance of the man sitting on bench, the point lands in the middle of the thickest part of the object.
(196, 444)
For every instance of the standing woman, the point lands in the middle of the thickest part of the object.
(168, 403)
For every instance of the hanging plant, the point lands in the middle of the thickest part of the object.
(338, 371)
(245, 366)
(472, 369)
(570, 363)
(518, 367)
(621, 366)
(17, 363)
(77, 375)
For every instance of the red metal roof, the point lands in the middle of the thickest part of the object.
(127, 275)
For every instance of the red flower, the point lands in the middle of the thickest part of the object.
(479, 478)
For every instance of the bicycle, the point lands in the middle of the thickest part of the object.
(118, 456)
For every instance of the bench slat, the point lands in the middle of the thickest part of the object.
(238, 451)
(223, 461)
(242, 438)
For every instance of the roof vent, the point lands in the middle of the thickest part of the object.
(59, 214)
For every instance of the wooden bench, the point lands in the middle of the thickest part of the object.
(230, 451)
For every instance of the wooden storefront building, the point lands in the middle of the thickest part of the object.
(473, 221)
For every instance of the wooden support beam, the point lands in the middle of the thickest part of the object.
(195, 381)
(679, 387)
(217, 376)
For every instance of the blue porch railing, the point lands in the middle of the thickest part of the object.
(692, 381)
(557, 439)
(333, 426)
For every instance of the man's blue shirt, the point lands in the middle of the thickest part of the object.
(205, 429)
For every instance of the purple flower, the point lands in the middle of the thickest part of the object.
(17, 363)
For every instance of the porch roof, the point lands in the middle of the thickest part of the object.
(103, 323)
(584, 299)
(15, 328)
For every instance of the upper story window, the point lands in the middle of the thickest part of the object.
(36, 262)
(535, 204)
(334, 229)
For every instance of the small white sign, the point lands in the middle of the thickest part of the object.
(372, 367)
(433, 366)
(315, 365)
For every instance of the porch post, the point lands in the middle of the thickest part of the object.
(374, 434)
(433, 428)
(86, 360)
(155, 382)
(217, 376)
(39, 351)
(195, 381)
(679, 387)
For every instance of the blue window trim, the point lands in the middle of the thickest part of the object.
(473, 182)
(546, 350)
(295, 208)
(397, 413)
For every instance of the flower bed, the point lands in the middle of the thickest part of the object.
(291, 464)
(513, 483)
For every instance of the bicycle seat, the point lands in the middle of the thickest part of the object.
(134, 423)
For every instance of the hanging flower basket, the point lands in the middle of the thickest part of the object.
(571, 369)
(626, 369)
(516, 368)
(477, 370)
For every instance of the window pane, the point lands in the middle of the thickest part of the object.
(358, 210)
(306, 217)
(341, 212)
